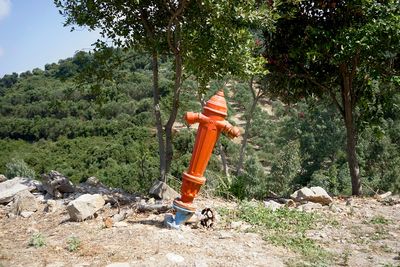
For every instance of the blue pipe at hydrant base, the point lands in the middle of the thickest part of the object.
(181, 216)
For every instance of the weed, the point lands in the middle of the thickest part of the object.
(386, 248)
(73, 244)
(380, 233)
(37, 240)
(379, 219)
(283, 227)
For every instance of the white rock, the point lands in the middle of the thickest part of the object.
(314, 194)
(302, 194)
(56, 264)
(272, 205)
(200, 263)
(24, 201)
(235, 225)
(175, 258)
(320, 196)
(85, 206)
(52, 205)
(27, 214)
(161, 190)
(120, 224)
(2, 178)
(310, 206)
(119, 264)
(10, 188)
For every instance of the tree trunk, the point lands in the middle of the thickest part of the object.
(350, 135)
(247, 129)
(174, 110)
(157, 114)
(223, 158)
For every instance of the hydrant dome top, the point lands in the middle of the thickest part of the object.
(217, 104)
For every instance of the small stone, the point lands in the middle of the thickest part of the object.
(310, 206)
(120, 224)
(52, 205)
(27, 214)
(200, 263)
(272, 205)
(2, 178)
(56, 264)
(236, 225)
(225, 235)
(175, 258)
(333, 208)
(93, 181)
(119, 264)
(108, 222)
(119, 217)
(151, 201)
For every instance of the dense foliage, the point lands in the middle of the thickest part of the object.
(77, 118)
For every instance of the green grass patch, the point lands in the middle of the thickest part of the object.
(379, 219)
(73, 244)
(37, 240)
(283, 227)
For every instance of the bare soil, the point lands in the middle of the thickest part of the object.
(360, 232)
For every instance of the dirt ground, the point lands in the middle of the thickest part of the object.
(361, 232)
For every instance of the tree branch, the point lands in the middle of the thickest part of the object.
(323, 87)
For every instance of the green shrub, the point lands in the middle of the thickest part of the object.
(18, 167)
(37, 240)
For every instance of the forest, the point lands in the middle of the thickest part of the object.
(314, 86)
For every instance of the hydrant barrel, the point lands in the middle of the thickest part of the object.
(211, 124)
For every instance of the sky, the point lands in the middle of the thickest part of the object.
(32, 34)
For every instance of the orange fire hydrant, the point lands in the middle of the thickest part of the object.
(211, 124)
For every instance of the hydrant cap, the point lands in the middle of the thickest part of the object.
(217, 104)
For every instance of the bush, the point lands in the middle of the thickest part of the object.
(18, 167)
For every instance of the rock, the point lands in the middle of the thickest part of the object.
(175, 258)
(27, 214)
(119, 264)
(52, 205)
(302, 194)
(200, 263)
(333, 208)
(2, 178)
(379, 197)
(224, 235)
(236, 225)
(310, 206)
(56, 184)
(320, 196)
(85, 206)
(314, 194)
(120, 224)
(24, 201)
(10, 188)
(110, 195)
(272, 205)
(108, 222)
(151, 201)
(93, 181)
(161, 190)
(56, 264)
